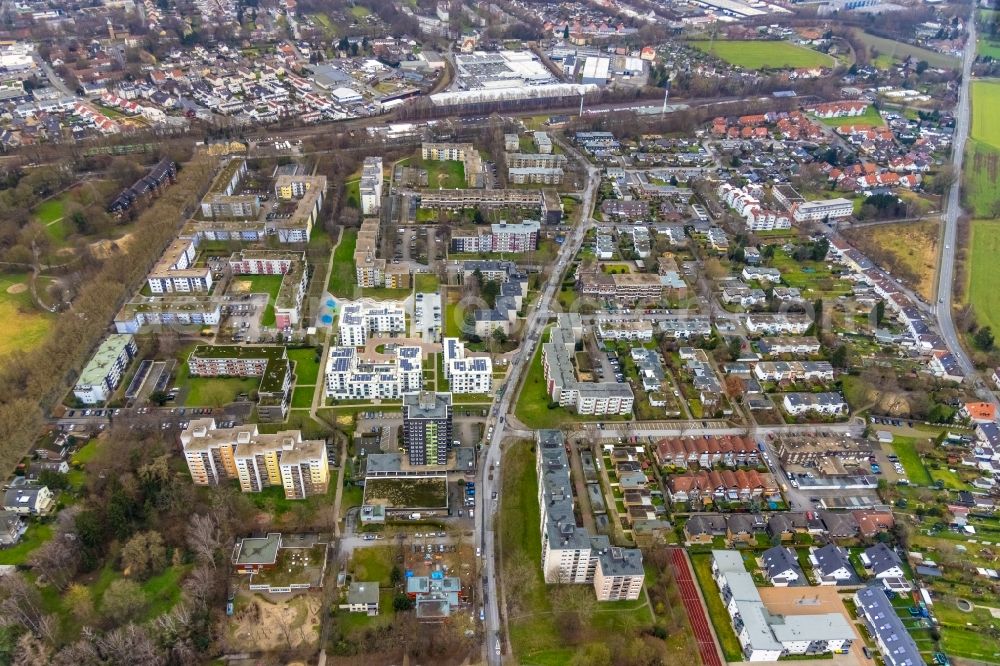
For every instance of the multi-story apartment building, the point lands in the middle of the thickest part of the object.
(765, 636)
(183, 310)
(624, 287)
(543, 144)
(788, 345)
(175, 271)
(540, 175)
(821, 210)
(267, 362)
(793, 371)
(561, 380)
(221, 200)
(256, 460)
(522, 160)
(826, 404)
(292, 265)
(371, 186)
(480, 198)
(369, 269)
(502, 237)
(778, 324)
(466, 375)
(461, 152)
(427, 427)
(103, 372)
(350, 377)
(358, 321)
(569, 553)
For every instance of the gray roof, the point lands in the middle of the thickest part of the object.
(778, 560)
(882, 558)
(830, 558)
(363, 593)
(877, 610)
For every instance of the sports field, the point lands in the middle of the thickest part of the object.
(757, 54)
(984, 279)
(985, 100)
(22, 325)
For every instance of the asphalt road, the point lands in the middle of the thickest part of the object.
(953, 210)
(486, 507)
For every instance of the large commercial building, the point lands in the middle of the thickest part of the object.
(257, 460)
(561, 380)
(103, 372)
(894, 641)
(371, 186)
(569, 553)
(466, 374)
(427, 427)
(175, 272)
(359, 321)
(351, 377)
(766, 636)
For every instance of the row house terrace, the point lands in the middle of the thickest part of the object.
(708, 451)
(709, 487)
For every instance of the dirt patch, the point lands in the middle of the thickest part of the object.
(274, 622)
(103, 249)
(241, 286)
(909, 250)
(17, 288)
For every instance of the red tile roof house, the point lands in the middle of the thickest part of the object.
(705, 452)
(727, 486)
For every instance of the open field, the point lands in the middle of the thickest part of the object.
(967, 635)
(980, 175)
(983, 280)
(306, 362)
(900, 50)
(985, 98)
(757, 54)
(987, 48)
(416, 493)
(22, 325)
(908, 249)
(260, 284)
(360, 12)
(211, 391)
(426, 282)
(343, 276)
(870, 118)
(441, 174)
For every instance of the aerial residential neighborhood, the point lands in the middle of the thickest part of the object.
(605, 333)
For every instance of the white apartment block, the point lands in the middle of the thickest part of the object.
(540, 175)
(560, 375)
(777, 324)
(175, 271)
(821, 210)
(569, 553)
(765, 636)
(359, 321)
(371, 185)
(826, 404)
(103, 372)
(543, 143)
(349, 377)
(467, 375)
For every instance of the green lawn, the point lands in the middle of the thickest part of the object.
(442, 174)
(984, 280)
(343, 276)
(702, 564)
(352, 193)
(22, 325)
(426, 283)
(212, 391)
(981, 172)
(263, 284)
(812, 277)
(306, 362)
(35, 536)
(870, 117)
(759, 54)
(905, 448)
(50, 210)
(385, 293)
(373, 564)
(899, 51)
(302, 396)
(454, 318)
(360, 11)
(987, 48)
(985, 98)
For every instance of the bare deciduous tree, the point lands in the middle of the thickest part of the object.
(204, 537)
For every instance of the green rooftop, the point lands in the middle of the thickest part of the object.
(274, 376)
(104, 359)
(238, 351)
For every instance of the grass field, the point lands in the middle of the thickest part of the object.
(969, 641)
(899, 51)
(302, 396)
(870, 118)
(373, 564)
(702, 565)
(912, 249)
(905, 448)
(49, 214)
(35, 536)
(812, 277)
(343, 276)
(985, 99)
(426, 282)
(352, 193)
(988, 49)
(442, 174)
(306, 364)
(360, 11)
(263, 284)
(754, 54)
(982, 169)
(984, 280)
(22, 324)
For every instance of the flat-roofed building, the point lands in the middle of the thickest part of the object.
(466, 374)
(427, 427)
(176, 271)
(103, 372)
(350, 376)
(371, 186)
(562, 383)
(361, 320)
